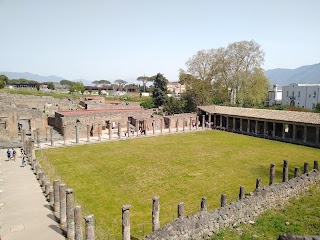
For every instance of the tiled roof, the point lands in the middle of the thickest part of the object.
(265, 114)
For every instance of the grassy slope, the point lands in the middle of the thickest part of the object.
(302, 213)
(178, 168)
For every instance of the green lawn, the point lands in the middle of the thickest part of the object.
(178, 168)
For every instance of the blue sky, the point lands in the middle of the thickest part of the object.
(104, 39)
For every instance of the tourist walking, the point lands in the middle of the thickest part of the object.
(14, 153)
(9, 154)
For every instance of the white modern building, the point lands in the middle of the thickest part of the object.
(301, 95)
(274, 96)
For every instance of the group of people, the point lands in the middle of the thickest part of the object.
(12, 154)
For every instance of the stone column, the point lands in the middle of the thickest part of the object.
(161, 124)
(209, 120)
(183, 124)
(305, 167)
(41, 178)
(248, 126)
(227, 123)
(177, 125)
(24, 139)
(47, 133)
(145, 126)
(203, 121)
(220, 120)
(283, 131)
(126, 222)
(234, 124)
(51, 136)
(77, 133)
(155, 213)
(242, 192)
(293, 132)
(214, 120)
(35, 135)
(56, 195)
(64, 135)
(153, 127)
(317, 136)
(38, 137)
(63, 203)
(240, 124)
(203, 205)
(197, 122)
(169, 124)
(99, 132)
(70, 214)
(51, 197)
(47, 189)
(258, 183)
(256, 127)
(88, 133)
(128, 129)
(78, 223)
(110, 130)
(304, 134)
(223, 200)
(296, 172)
(89, 227)
(181, 210)
(273, 129)
(264, 128)
(272, 174)
(137, 127)
(315, 165)
(190, 124)
(119, 130)
(285, 171)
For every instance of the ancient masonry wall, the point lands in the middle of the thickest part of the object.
(205, 223)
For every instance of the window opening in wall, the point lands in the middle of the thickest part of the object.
(292, 93)
(287, 93)
(314, 94)
(299, 94)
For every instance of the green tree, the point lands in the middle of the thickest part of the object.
(121, 83)
(159, 93)
(318, 107)
(77, 87)
(51, 86)
(89, 89)
(147, 103)
(66, 82)
(38, 87)
(4, 79)
(234, 71)
(198, 92)
(2, 84)
(144, 81)
(174, 106)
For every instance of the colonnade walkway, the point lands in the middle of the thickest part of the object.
(24, 211)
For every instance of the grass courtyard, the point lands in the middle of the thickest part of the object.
(178, 168)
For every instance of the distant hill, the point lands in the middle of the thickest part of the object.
(304, 74)
(38, 78)
(31, 76)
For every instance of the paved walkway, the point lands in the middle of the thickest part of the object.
(24, 211)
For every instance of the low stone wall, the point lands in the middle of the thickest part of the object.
(298, 237)
(205, 223)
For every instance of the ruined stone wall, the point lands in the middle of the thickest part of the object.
(203, 224)
(93, 119)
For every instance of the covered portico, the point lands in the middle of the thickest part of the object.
(288, 126)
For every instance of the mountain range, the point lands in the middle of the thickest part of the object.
(280, 76)
(304, 74)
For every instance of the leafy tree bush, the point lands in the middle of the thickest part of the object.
(174, 106)
(318, 107)
(147, 103)
(159, 93)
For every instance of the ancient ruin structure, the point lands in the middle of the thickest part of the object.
(287, 126)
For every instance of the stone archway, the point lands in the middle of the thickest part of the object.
(292, 103)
